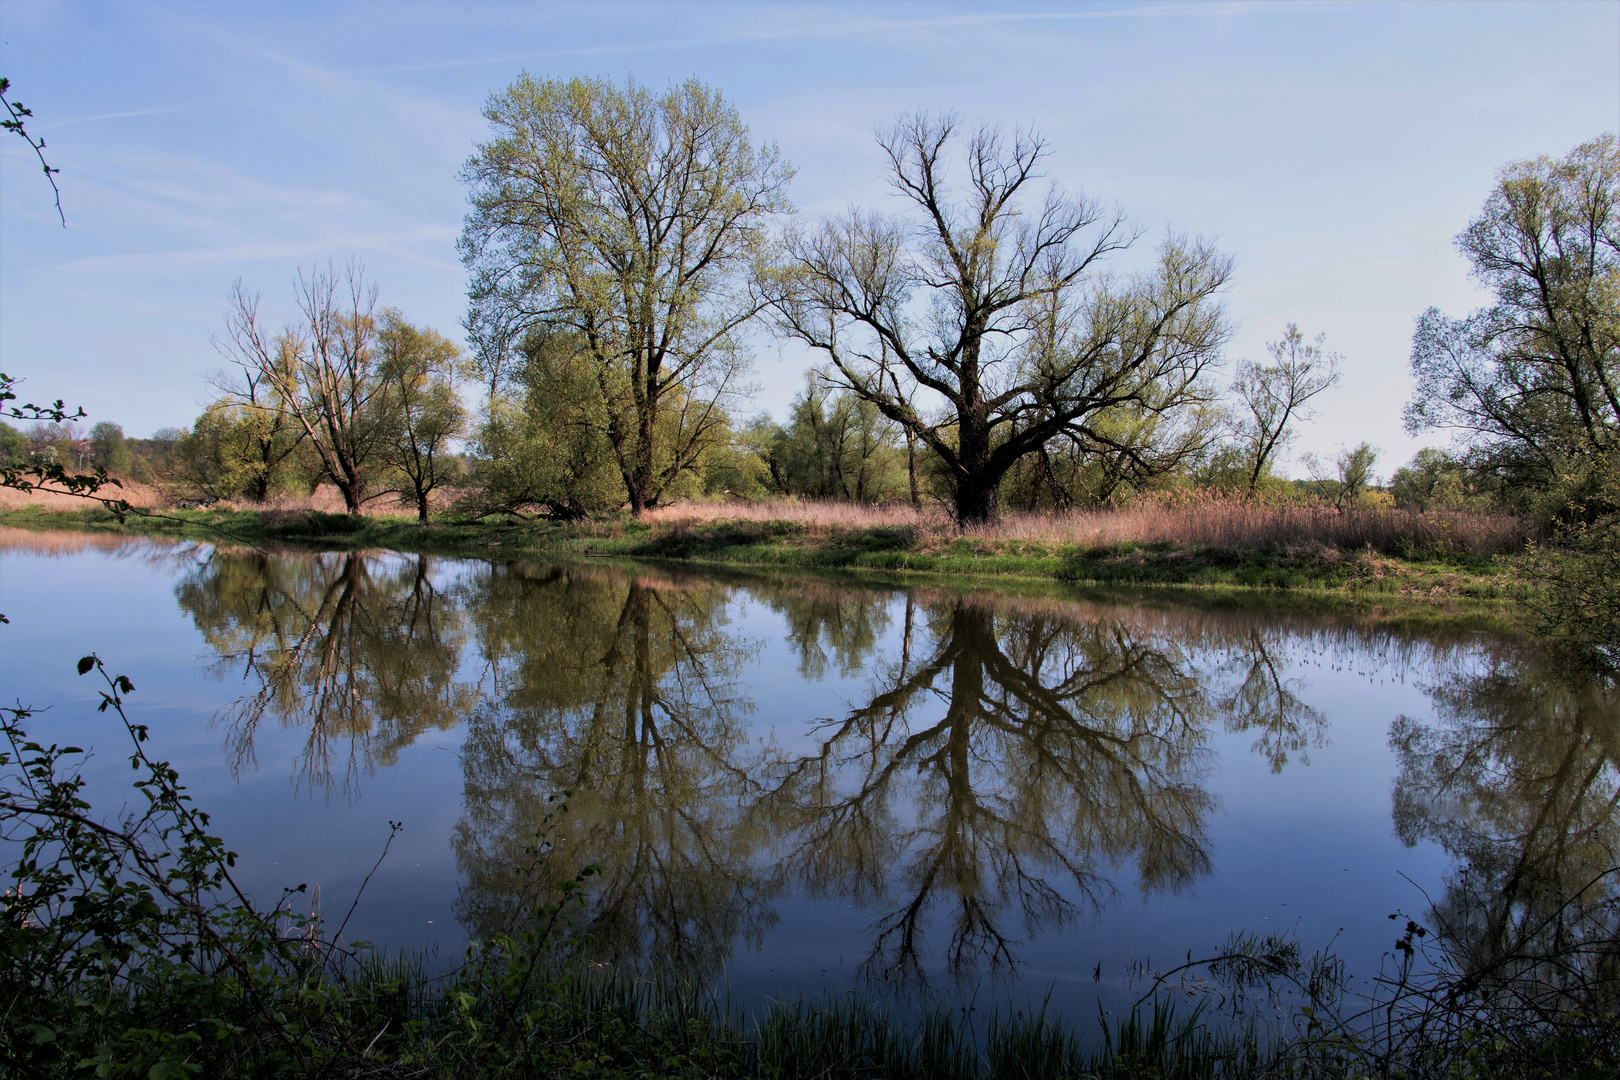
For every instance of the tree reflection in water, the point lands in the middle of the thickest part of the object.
(361, 647)
(1519, 782)
(1268, 704)
(1009, 767)
(1022, 756)
(621, 690)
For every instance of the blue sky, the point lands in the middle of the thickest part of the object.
(1333, 149)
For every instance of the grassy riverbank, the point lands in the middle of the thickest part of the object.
(1439, 581)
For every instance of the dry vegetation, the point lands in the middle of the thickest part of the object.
(325, 499)
(1234, 524)
(137, 494)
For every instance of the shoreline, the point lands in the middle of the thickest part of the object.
(1444, 587)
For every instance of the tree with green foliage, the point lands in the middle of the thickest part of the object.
(1346, 479)
(1434, 480)
(238, 452)
(420, 371)
(631, 221)
(835, 447)
(108, 448)
(739, 465)
(542, 442)
(13, 447)
(1580, 608)
(993, 303)
(1532, 382)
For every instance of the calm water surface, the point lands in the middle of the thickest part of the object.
(797, 785)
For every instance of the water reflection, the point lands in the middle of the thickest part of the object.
(999, 768)
(1519, 779)
(1266, 703)
(622, 691)
(359, 651)
(1000, 776)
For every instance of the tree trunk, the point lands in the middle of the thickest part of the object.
(421, 507)
(350, 491)
(975, 481)
(633, 492)
(976, 499)
(911, 469)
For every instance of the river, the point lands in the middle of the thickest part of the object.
(807, 785)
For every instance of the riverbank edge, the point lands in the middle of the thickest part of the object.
(1481, 591)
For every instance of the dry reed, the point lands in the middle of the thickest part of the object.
(325, 499)
(1234, 524)
(136, 494)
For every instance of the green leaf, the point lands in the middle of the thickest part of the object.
(86, 663)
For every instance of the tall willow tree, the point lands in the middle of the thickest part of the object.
(632, 220)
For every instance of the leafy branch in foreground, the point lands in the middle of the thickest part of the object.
(16, 113)
(49, 476)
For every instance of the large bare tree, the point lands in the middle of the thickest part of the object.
(990, 299)
(324, 368)
(631, 220)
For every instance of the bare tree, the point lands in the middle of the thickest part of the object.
(325, 369)
(994, 305)
(1276, 394)
(631, 220)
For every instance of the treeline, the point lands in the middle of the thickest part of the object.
(833, 446)
(104, 445)
(534, 449)
(973, 349)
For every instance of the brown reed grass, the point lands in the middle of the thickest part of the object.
(1205, 521)
(144, 495)
(325, 499)
(1190, 519)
